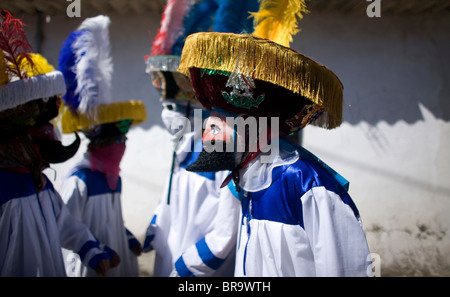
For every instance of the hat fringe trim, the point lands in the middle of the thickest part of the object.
(266, 61)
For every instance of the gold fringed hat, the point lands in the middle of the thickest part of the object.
(248, 75)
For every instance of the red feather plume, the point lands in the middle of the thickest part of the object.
(14, 43)
(171, 26)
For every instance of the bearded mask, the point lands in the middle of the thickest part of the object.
(49, 147)
(223, 147)
(30, 141)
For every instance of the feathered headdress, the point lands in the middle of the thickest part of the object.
(163, 61)
(171, 26)
(23, 76)
(232, 16)
(87, 65)
(86, 62)
(255, 75)
(277, 20)
(182, 18)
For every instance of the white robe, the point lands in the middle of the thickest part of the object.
(298, 221)
(194, 235)
(89, 198)
(33, 227)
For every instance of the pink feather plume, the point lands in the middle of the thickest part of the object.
(171, 26)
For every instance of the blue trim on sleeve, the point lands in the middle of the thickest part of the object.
(148, 243)
(109, 252)
(86, 248)
(182, 269)
(147, 247)
(132, 241)
(207, 256)
(93, 262)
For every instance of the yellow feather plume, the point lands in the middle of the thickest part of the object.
(276, 20)
(4, 79)
(40, 65)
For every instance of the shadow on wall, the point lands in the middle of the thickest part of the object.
(387, 65)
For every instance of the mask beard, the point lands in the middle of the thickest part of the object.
(214, 161)
(53, 151)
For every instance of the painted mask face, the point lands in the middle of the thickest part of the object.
(174, 118)
(218, 151)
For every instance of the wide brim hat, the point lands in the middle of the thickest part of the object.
(105, 114)
(246, 75)
(32, 88)
(41, 80)
(24, 76)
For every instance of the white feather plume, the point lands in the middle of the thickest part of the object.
(93, 65)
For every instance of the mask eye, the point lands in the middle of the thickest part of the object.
(215, 129)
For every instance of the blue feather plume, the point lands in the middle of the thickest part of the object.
(67, 61)
(86, 63)
(198, 19)
(233, 16)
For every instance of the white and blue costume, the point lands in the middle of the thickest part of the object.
(194, 235)
(33, 227)
(298, 220)
(89, 198)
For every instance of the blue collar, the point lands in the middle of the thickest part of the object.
(288, 145)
